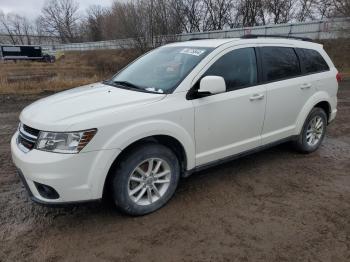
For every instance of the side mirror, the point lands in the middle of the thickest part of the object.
(212, 85)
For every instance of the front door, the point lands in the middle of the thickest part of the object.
(230, 123)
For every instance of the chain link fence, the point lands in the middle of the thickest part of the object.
(324, 29)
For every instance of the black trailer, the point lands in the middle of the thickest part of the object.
(24, 52)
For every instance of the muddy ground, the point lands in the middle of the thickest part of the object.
(276, 205)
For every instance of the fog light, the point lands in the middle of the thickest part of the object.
(46, 191)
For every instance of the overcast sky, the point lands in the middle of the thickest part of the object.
(31, 8)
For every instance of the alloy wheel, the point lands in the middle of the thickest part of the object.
(314, 131)
(149, 181)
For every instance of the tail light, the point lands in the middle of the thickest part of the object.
(339, 78)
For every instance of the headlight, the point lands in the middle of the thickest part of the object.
(66, 143)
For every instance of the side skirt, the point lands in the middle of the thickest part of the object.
(239, 155)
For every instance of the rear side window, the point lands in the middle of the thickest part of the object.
(312, 61)
(237, 67)
(279, 63)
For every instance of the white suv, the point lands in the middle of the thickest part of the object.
(179, 108)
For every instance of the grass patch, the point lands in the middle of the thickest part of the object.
(71, 70)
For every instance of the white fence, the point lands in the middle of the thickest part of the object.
(325, 29)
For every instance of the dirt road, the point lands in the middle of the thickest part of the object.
(276, 205)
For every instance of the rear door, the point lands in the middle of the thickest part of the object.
(231, 122)
(287, 91)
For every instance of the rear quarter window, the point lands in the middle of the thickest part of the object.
(312, 61)
(279, 63)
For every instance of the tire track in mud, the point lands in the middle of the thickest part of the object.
(276, 205)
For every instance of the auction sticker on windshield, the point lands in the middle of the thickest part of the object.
(192, 51)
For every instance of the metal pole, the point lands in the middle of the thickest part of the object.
(151, 28)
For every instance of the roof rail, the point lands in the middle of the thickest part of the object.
(250, 36)
(197, 38)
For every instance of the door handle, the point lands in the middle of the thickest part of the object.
(256, 97)
(305, 86)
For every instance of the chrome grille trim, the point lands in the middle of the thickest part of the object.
(26, 141)
(30, 130)
(22, 131)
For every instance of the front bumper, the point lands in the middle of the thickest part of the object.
(332, 115)
(45, 202)
(75, 177)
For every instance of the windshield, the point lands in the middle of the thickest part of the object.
(162, 69)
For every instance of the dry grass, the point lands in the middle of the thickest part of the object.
(72, 70)
(339, 51)
(80, 68)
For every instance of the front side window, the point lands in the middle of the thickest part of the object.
(279, 63)
(162, 69)
(237, 67)
(312, 61)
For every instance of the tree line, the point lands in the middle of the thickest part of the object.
(144, 19)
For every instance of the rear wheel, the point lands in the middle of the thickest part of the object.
(145, 179)
(313, 131)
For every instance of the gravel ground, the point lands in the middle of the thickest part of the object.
(276, 205)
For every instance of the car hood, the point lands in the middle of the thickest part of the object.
(58, 112)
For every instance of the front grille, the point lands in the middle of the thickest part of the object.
(30, 130)
(27, 137)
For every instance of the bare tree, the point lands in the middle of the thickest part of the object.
(324, 9)
(60, 18)
(342, 7)
(250, 13)
(193, 13)
(306, 10)
(145, 21)
(18, 28)
(129, 20)
(177, 12)
(21, 28)
(218, 14)
(38, 31)
(94, 23)
(281, 11)
(5, 26)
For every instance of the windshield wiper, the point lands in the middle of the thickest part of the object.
(128, 85)
(123, 84)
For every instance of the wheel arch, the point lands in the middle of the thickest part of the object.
(326, 106)
(169, 141)
(321, 100)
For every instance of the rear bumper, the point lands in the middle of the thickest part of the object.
(75, 177)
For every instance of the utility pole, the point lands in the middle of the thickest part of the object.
(151, 21)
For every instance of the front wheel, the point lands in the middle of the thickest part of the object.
(313, 131)
(146, 179)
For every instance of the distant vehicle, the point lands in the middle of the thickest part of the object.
(25, 52)
(176, 110)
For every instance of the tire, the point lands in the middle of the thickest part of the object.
(305, 143)
(136, 166)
